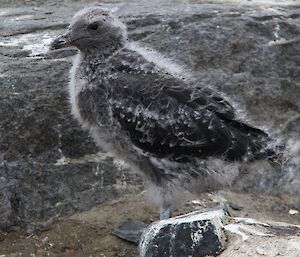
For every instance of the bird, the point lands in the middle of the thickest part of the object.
(178, 133)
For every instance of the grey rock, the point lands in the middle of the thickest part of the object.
(251, 52)
(35, 194)
(196, 234)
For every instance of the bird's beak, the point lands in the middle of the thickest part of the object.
(61, 42)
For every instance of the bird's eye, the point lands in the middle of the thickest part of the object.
(93, 26)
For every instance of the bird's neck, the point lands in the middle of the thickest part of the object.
(102, 52)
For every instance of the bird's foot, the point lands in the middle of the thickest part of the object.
(130, 230)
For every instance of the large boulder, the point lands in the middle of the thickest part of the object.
(248, 51)
(196, 234)
(214, 233)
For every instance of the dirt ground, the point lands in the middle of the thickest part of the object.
(88, 234)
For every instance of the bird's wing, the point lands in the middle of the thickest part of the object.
(167, 117)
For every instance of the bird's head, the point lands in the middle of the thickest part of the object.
(93, 28)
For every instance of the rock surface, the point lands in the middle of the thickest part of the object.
(196, 234)
(254, 239)
(50, 167)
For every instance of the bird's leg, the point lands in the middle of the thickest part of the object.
(165, 213)
(165, 210)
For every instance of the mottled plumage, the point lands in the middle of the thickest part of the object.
(163, 123)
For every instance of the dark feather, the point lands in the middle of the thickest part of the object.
(169, 117)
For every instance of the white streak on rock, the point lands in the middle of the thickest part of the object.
(245, 231)
(251, 221)
(234, 228)
(36, 43)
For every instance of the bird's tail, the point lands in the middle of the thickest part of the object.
(257, 144)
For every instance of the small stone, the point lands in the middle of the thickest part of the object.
(130, 230)
(235, 206)
(293, 212)
(45, 240)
